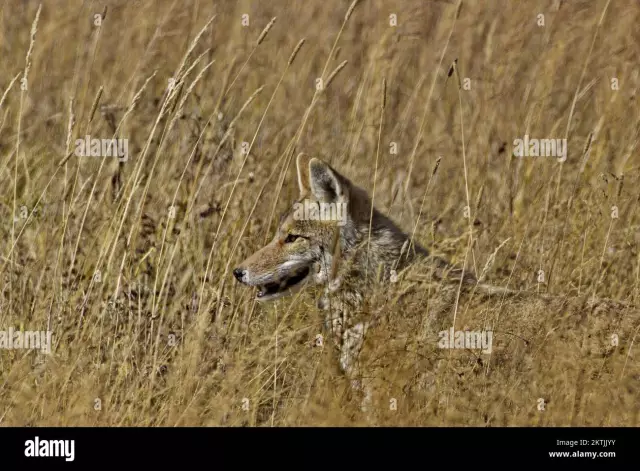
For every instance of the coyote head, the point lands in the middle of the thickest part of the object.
(318, 225)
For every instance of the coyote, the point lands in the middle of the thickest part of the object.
(332, 237)
(345, 254)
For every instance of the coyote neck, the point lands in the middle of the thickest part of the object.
(375, 243)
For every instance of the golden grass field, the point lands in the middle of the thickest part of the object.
(129, 263)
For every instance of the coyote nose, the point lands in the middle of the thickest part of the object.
(239, 274)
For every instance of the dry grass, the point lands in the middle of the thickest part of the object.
(164, 336)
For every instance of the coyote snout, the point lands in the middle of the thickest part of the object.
(273, 282)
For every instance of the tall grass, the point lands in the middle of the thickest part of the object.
(128, 263)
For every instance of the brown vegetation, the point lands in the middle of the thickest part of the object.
(129, 263)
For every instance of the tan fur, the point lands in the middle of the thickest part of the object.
(346, 258)
(350, 261)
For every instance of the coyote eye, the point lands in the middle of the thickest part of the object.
(291, 238)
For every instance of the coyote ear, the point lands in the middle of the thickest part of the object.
(302, 162)
(326, 183)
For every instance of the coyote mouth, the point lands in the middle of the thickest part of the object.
(282, 287)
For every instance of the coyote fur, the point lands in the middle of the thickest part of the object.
(345, 254)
